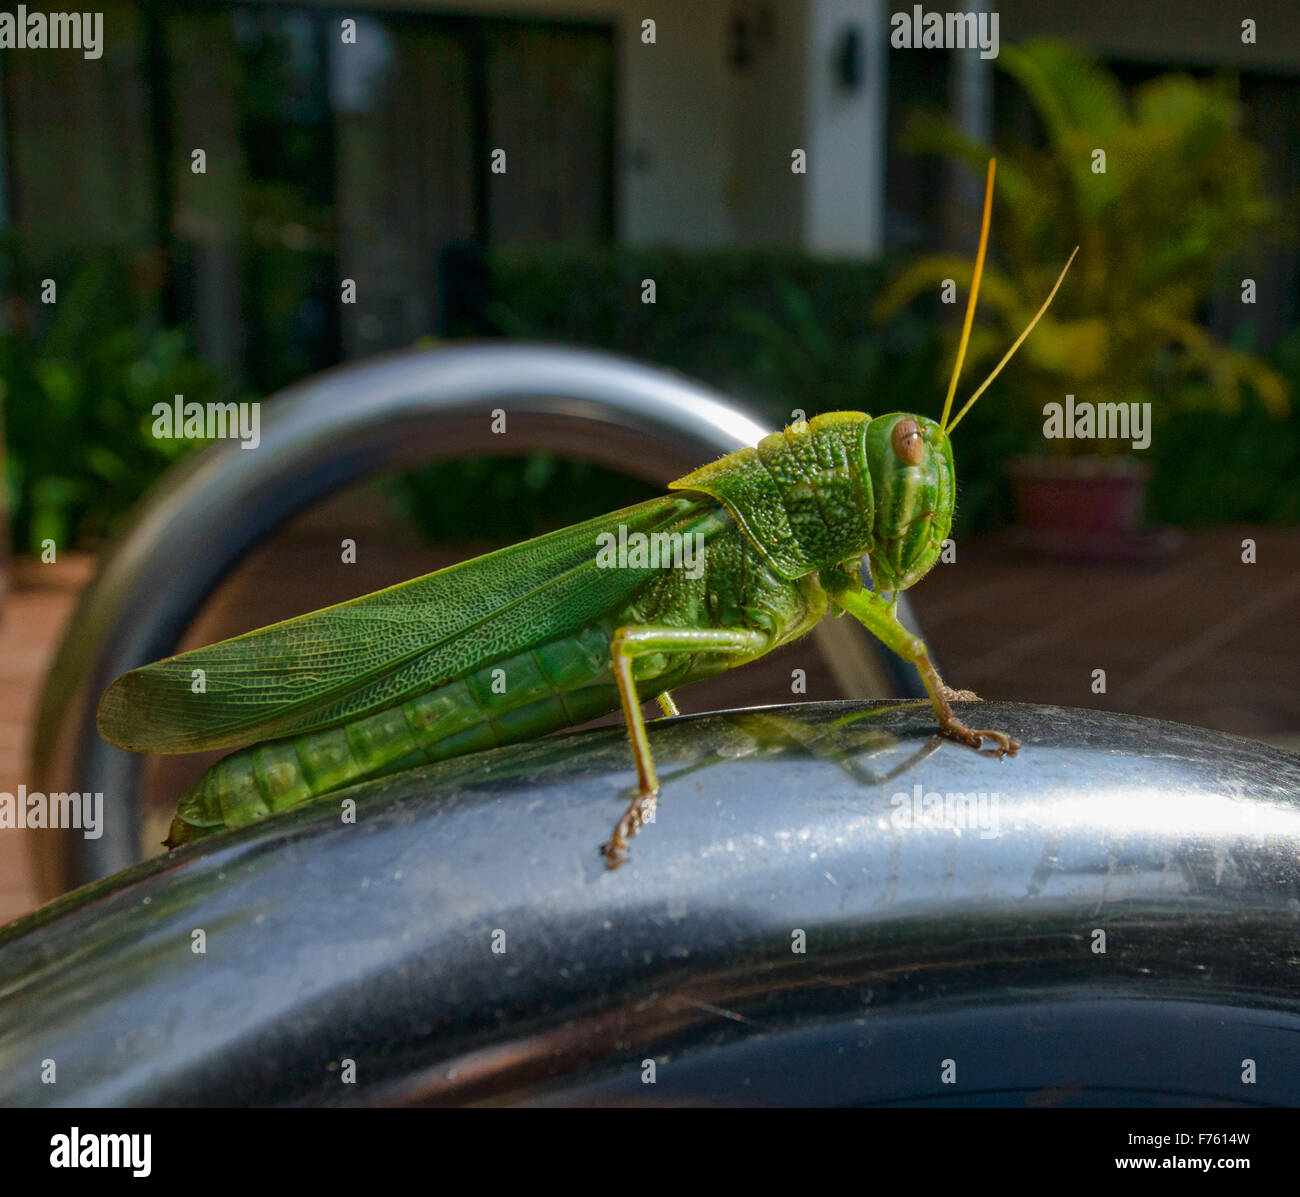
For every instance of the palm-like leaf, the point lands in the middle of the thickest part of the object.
(1182, 190)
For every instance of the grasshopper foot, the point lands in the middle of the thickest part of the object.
(955, 728)
(638, 814)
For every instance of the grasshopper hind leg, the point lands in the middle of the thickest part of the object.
(643, 640)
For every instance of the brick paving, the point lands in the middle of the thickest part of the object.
(32, 618)
(1201, 638)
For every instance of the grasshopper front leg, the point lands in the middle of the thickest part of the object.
(644, 640)
(876, 616)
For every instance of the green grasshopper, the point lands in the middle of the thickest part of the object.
(548, 633)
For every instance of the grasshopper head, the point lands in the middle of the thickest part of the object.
(912, 478)
(910, 457)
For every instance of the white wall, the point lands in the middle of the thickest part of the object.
(764, 201)
(845, 130)
(673, 125)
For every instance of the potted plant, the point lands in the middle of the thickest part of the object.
(1158, 191)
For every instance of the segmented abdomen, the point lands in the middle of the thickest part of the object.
(555, 685)
(559, 683)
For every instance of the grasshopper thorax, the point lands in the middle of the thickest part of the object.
(803, 496)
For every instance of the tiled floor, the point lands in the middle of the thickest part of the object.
(1202, 639)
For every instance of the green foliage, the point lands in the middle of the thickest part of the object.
(77, 394)
(779, 330)
(782, 331)
(1182, 191)
(502, 500)
(1212, 466)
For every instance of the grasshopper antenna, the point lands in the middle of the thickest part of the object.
(974, 293)
(1060, 278)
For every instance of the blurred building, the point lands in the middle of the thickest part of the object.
(333, 152)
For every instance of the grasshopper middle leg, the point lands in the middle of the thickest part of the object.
(627, 644)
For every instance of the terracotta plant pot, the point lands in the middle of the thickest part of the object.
(1085, 507)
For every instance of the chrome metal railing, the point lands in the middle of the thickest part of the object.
(1108, 918)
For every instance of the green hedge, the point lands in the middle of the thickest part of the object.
(778, 331)
(78, 380)
(1242, 467)
(781, 331)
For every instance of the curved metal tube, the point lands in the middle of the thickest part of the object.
(1115, 924)
(319, 436)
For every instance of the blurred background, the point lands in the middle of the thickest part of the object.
(661, 141)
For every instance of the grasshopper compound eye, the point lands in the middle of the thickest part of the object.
(909, 447)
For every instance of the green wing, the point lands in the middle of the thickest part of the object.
(373, 652)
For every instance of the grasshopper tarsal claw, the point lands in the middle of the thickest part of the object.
(637, 816)
(1006, 746)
